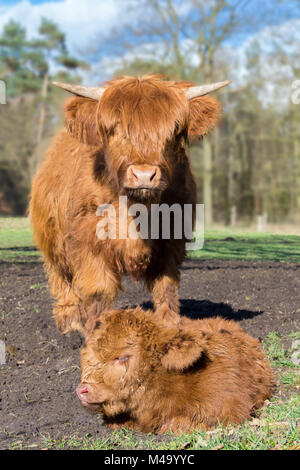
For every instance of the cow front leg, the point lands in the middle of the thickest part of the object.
(97, 285)
(92, 308)
(66, 308)
(164, 290)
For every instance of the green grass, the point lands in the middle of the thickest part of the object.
(288, 372)
(276, 428)
(16, 244)
(290, 379)
(235, 245)
(294, 335)
(276, 352)
(36, 286)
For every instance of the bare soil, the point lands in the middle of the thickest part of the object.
(37, 384)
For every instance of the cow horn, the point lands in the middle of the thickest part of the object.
(195, 91)
(87, 92)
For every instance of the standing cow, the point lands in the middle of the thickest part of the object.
(127, 139)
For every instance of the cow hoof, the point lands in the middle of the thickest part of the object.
(167, 315)
(67, 319)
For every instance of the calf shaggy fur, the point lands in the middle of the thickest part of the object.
(156, 372)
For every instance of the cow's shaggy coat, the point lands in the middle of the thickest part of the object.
(137, 124)
(155, 372)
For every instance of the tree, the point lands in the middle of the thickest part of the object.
(13, 60)
(189, 40)
(49, 49)
(27, 121)
(197, 35)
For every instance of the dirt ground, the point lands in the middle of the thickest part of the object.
(37, 385)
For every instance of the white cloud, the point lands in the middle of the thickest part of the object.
(82, 21)
(87, 22)
(276, 75)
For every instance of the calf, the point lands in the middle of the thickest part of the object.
(156, 372)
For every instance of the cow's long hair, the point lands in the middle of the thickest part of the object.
(147, 111)
(137, 120)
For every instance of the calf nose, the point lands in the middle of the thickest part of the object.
(143, 176)
(82, 391)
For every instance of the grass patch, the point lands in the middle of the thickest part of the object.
(288, 372)
(36, 286)
(294, 335)
(276, 428)
(276, 352)
(16, 244)
(233, 245)
(291, 379)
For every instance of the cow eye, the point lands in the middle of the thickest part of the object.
(122, 359)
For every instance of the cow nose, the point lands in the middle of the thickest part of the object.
(82, 391)
(143, 176)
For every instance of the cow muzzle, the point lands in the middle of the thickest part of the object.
(142, 177)
(87, 398)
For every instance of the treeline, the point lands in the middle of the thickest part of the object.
(32, 112)
(249, 167)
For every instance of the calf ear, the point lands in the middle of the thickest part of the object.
(205, 113)
(81, 120)
(181, 352)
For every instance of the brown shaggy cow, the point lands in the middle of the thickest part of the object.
(126, 139)
(155, 372)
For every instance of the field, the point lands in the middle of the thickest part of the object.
(252, 278)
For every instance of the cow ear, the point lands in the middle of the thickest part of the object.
(205, 113)
(81, 120)
(181, 352)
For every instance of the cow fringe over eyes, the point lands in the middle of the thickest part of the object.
(146, 112)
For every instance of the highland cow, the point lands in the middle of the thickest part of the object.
(155, 372)
(129, 139)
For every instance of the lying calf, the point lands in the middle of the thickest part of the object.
(158, 374)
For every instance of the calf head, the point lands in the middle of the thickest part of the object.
(129, 352)
(142, 125)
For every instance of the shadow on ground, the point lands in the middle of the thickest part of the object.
(197, 309)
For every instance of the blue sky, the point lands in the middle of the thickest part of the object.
(83, 21)
(34, 2)
(88, 23)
